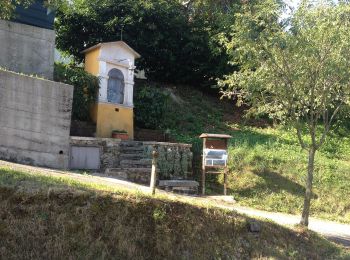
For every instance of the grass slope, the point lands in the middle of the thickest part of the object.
(52, 218)
(267, 166)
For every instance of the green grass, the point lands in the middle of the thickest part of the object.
(268, 171)
(55, 218)
(267, 166)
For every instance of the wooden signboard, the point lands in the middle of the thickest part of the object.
(214, 156)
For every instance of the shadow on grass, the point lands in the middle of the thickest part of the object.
(277, 182)
(273, 182)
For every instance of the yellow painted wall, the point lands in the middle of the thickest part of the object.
(109, 119)
(91, 61)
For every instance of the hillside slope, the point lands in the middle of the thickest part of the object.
(47, 217)
(267, 166)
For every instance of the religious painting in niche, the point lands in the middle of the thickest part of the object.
(115, 86)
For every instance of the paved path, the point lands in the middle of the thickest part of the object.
(336, 232)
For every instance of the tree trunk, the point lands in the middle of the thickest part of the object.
(308, 192)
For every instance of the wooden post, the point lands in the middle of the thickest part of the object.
(203, 180)
(225, 180)
(203, 168)
(154, 172)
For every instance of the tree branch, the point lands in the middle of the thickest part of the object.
(300, 139)
(328, 125)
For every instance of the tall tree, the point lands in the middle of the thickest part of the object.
(177, 42)
(296, 70)
(210, 21)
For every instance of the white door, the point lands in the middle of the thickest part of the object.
(85, 158)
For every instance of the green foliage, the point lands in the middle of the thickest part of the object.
(150, 104)
(189, 113)
(177, 44)
(296, 69)
(85, 88)
(159, 214)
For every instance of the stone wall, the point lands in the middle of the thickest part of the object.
(174, 160)
(27, 49)
(35, 117)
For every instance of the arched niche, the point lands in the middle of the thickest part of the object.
(115, 87)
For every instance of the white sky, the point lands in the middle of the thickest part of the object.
(292, 3)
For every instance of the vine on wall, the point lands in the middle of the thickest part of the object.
(85, 88)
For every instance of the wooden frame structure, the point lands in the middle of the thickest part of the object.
(214, 144)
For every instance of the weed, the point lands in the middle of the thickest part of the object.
(159, 214)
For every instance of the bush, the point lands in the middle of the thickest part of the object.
(150, 106)
(85, 88)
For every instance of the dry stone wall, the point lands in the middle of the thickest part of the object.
(174, 159)
(35, 117)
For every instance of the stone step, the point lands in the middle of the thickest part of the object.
(178, 183)
(180, 186)
(131, 149)
(136, 163)
(130, 165)
(132, 156)
(131, 169)
(185, 190)
(127, 144)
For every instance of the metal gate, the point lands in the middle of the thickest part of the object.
(85, 158)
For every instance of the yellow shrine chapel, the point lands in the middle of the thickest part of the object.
(114, 64)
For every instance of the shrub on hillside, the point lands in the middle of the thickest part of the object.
(150, 106)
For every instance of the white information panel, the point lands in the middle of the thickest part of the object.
(215, 157)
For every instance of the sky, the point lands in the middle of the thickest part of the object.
(292, 3)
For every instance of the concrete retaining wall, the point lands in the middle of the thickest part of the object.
(27, 49)
(35, 117)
